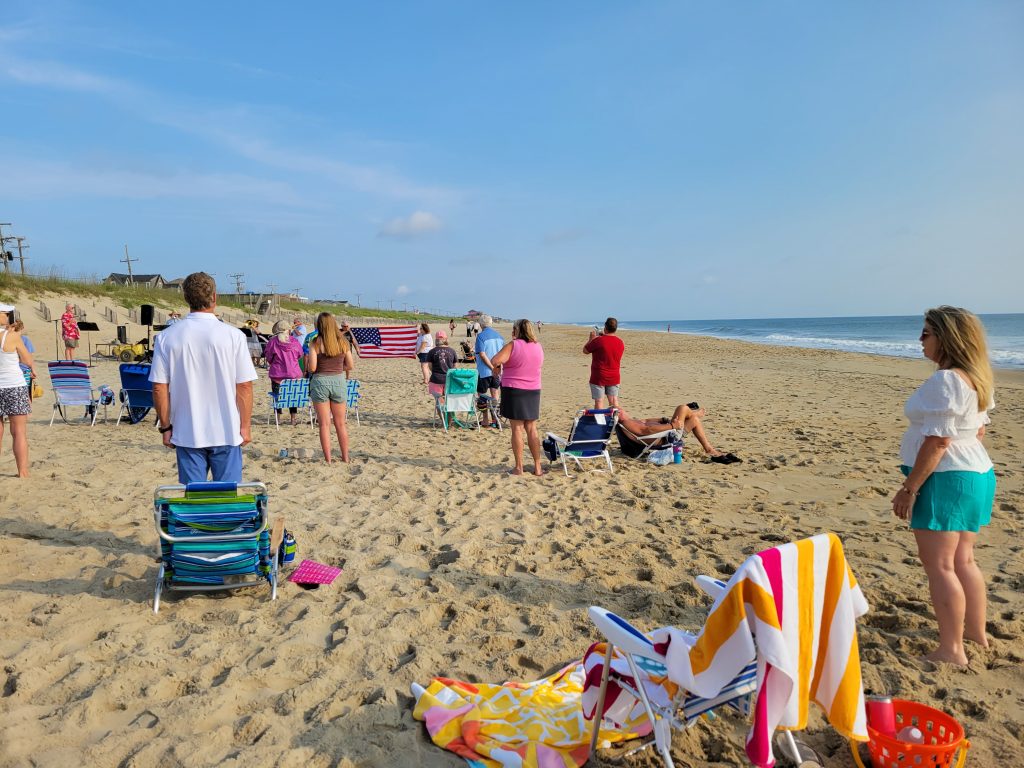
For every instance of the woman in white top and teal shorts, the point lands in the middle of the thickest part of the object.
(15, 405)
(950, 483)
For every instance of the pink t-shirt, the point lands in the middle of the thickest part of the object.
(522, 371)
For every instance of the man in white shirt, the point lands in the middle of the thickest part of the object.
(202, 386)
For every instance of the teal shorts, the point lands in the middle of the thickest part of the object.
(954, 501)
(324, 389)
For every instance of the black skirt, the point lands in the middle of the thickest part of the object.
(520, 404)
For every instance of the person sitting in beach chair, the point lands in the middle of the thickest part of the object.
(654, 433)
(468, 355)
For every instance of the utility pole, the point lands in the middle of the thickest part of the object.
(358, 297)
(128, 260)
(3, 251)
(273, 297)
(21, 257)
(238, 277)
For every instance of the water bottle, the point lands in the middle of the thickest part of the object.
(910, 735)
(677, 451)
(287, 547)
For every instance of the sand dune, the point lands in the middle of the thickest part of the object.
(450, 567)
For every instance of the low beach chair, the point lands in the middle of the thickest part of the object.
(636, 447)
(492, 407)
(459, 397)
(71, 386)
(352, 396)
(293, 393)
(783, 628)
(213, 536)
(136, 392)
(589, 436)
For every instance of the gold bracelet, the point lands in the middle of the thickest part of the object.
(914, 494)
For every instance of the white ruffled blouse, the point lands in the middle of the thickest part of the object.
(946, 406)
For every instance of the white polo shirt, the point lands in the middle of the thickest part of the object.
(201, 360)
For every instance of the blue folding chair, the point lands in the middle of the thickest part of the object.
(136, 393)
(293, 393)
(71, 386)
(591, 431)
(352, 398)
(213, 536)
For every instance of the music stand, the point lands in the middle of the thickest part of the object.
(85, 325)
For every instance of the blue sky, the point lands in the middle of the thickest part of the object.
(561, 161)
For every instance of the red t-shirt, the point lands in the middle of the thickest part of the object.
(606, 351)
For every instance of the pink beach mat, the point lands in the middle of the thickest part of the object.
(312, 572)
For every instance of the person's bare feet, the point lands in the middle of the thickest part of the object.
(983, 642)
(941, 656)
(515, 471)
(538, 470)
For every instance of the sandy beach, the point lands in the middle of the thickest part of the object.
(452, 568)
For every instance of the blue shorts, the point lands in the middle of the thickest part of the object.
(954, 501)
(224, 462)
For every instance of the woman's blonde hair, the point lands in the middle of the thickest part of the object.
(329, 338)
(523, 329)
(961, 339)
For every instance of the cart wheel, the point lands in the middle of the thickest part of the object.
(126, 356)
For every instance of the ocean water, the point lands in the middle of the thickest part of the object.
(896, 336)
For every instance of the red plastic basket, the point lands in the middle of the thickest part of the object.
(943, 737)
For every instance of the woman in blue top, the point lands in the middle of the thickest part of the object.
(950, 483)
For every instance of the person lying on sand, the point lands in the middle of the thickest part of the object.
(686, 418)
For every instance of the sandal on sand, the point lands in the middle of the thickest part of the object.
(728, 458)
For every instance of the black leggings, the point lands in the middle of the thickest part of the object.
(274, 387)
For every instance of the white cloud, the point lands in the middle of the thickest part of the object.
(416, 225)
(48, 180)
(220, 128)
(402, 290)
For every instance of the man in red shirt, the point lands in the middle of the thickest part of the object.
(606, 350)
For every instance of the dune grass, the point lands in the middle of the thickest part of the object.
(129, 297)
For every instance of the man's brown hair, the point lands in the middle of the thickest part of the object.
(611, 325)
(200, 291)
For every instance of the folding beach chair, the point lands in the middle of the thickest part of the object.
(459, 397)
(588, 438)
(136, 392)
(352, 398)
(293, 393)
(636, 447)
(71, 386)
(213, 536)
(786, 610)
(492, 407)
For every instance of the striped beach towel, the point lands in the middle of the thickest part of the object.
(794, 608)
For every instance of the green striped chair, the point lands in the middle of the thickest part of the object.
(213, 536)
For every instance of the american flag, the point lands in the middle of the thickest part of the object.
(390, 341)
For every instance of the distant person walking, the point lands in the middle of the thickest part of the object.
(451, 326)
(521, 361)
(15, 404)
(69, 331)
(606, 350)
(469, 329)
(424, 343)
(329, 360)
(950, 484)
(283, 353)
(488, 344)
(202, 386)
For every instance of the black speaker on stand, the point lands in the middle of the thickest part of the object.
(146, 319)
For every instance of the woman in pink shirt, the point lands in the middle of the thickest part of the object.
(518, 364)
(282, 354)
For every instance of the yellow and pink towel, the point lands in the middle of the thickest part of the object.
(525, 725)
(794, 608)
